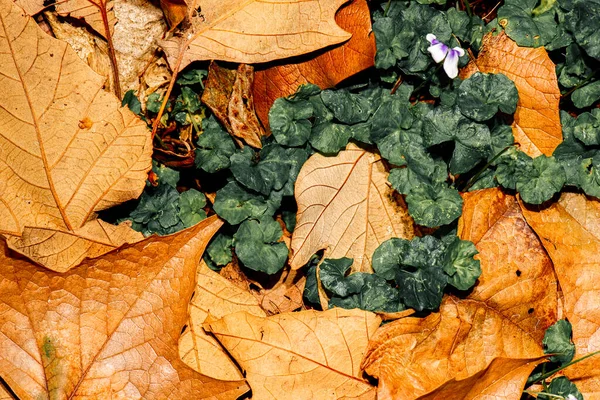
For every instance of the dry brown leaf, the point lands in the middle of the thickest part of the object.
(107, 329)
(326, 69)
(303, 355)
(517, 277)
(253, 31)
(503, 379)
(285, 295)
(175, 11)
(536, 125)
(217, 91)
(413, 356)
(68, 149)
(570, 232)
(217, 297)
(346, 207)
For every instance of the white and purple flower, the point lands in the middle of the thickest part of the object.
(440, 52)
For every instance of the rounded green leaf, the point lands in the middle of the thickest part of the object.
(557, 341)
(482, 95)
(215, 146)
(257, 246)
(434, 205)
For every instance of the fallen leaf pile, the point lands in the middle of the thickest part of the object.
(92, 309)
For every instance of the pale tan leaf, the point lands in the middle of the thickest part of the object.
(570, 232)
(536, 124)
(217, 297)
(108, 328)
(253, 31)
(68, 150)
(4, 395)
(285, 295)
(413, 356)
(517, 277)
(302, 356)
(326, 68)
(346, 207)
(503, 379)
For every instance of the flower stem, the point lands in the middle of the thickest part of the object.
(387, 8)
(467, 6)
(554, 396)
(474, 178)
(549, 374)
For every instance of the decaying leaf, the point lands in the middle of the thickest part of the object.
(68, 149)
(570, 232)
(325, 69)
(217, 91)
(304, 355)
(217, 297)
(175, 11)
(346, 207)
(254, 31)
(517, 277)
(503, 379)
(413, 356)
(285, 295)
(108, 328)
(536, 125)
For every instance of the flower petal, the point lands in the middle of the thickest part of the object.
(451, 64)
(438, 51)
(430, 38)
(460, 51)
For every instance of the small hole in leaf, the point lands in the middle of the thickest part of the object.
(183, 329)
(518, 272)
(530, 311)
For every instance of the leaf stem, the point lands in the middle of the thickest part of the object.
(101, 5)
(582, 83)
(387, 8)
(554, 371)
(467, 7)
(554, 396)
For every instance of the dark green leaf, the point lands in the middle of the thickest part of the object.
(481, 95)
(191, 204)
(158, 211)
(264, 176)
(562, 386)
(583, 21)
(575, 69)
(375, 295)
(422, 289)
(130, 100)
(541, 181)
(332, 273)
(348, 108)
(289, 116)
(586, 95)
(234, 204)
(166, 175)
(329, 138)
(433, 206)
(219, 249)
(154, 102)
(257, 247)
(511, 166)
(557, 341)
(460, 265)
(311, 290)
(192, 77)
(387, 258)
(525, 27)
(215, 146)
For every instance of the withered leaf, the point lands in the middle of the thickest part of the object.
(217, 91)
(503, 379)
(413, 356)
(68, 149)
(327, 68)
(517, 277)
(216, 297)
(570, 232)
(108, 328)
(346, 207)
(175, 11)
(242, 117)
(303, 355)
(255, 31)
(536, 125)
(285, 295)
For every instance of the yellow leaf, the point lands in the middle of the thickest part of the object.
(253, 31)
(217, 297)
(108, 328)
(303, 355)
(570, 232)
(536, 126)
(413, 356)
(517, 278)
(68, 150)
(346, 207)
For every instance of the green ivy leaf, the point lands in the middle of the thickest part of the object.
(561, 386)
(541, 181)
(525, 27)
(215, 146)
(511, 166)
(482, 95)
(311, 290)
(191, 204)
(375, 295)
(157, 211)
(264, 176)
(348, 108)
(422, 289)
(583, 21)
(289, 116)
(460, 265)
(586, 95)
(192, 77)
(132, 102)
(471, 140)
(219, 249)
(234, 204)
(387, 258)
(586, 127)
(434, 205)
(575, 69)
(332, 273)
(295, 159)
(257, 246)
(166, 175)
(329, 138)
(589, 175)
(557, 341)
(154, 102)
